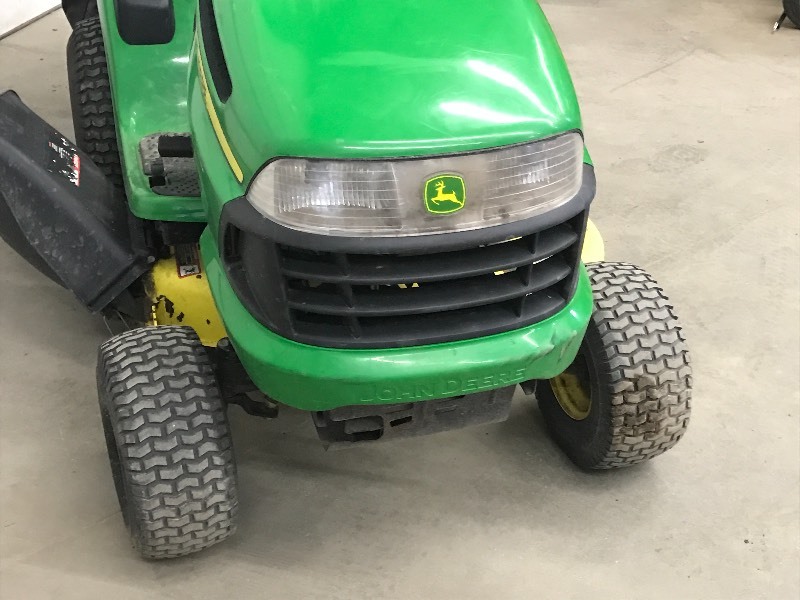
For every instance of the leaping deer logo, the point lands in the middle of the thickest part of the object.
(441, 196)
(445, 193)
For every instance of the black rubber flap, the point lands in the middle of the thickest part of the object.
(145, 22)
(60, 213)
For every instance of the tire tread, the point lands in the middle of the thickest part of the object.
(91, 97)
(647, 363)
(173, 439)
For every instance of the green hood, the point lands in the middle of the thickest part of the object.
(366, 78)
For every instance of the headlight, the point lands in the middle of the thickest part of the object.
(382, 198)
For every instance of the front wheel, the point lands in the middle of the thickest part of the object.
(627, 396)
(168, 441)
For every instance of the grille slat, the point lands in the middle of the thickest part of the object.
(434, 328)
(428, 298)
(394, 269)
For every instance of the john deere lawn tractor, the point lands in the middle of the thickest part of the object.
(376, 212)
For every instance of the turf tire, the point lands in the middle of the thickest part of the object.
(639, 372)
(90, 95)
(168, 441)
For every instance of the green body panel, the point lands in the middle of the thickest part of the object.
(351, 79)
(314, 378)
(366, 79)
(216, 179)
(149, 85)
(304, 85)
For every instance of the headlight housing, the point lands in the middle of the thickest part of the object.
(391, 198)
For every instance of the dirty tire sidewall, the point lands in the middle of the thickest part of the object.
(90, 95)
(168, 441)
(120, 485)
(641, 378)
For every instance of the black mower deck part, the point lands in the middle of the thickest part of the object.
(60, 213)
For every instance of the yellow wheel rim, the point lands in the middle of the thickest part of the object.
(572, 390)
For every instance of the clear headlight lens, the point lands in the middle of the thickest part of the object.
(382, 198)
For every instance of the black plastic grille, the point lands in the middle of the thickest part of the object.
(387, 300)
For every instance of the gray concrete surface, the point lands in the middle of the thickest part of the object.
(692, 113)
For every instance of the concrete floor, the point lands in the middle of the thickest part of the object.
(692, 113)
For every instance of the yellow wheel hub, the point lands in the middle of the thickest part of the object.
(572, 391)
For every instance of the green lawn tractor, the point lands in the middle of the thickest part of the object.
(376, 212)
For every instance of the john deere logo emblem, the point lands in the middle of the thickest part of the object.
(445, 194)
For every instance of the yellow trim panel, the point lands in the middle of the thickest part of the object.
(179, 295)
(594, 250)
